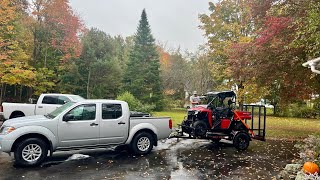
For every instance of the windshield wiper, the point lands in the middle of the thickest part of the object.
(48, 116)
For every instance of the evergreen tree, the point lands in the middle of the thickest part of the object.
(142, 77)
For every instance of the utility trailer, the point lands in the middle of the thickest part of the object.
(219, 119)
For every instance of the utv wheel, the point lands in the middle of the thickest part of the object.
(241, 141)
(142, 143)
(200, 128)
(30, 152)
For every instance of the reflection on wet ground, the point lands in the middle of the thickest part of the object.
(183, 159)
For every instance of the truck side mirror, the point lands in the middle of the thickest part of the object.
(68, 117)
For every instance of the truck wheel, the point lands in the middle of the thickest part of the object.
(241, 141)
(200, 128)
(142, 143)
(30, 152)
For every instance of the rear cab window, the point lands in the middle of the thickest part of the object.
(111, 111)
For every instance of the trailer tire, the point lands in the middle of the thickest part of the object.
(241, 141)
(142, 143)
(200, 128)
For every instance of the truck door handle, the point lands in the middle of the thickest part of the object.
(121, 122)
(94, 124)
(40, 106)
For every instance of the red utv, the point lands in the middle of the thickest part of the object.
(219, 120)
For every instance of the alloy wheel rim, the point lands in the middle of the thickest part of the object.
(143, 144)
(31, 152)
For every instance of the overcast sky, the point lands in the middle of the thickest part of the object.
(173, 22)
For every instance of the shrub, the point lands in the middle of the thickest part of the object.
(134, 103)
(298, 110)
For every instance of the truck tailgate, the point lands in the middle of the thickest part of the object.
(161, 124)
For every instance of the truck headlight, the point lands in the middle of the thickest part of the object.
(6, 129)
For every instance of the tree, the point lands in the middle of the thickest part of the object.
(14, 66)
(142, 77)
(98, 72)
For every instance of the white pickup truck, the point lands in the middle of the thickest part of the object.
(46, 103)
(81, 125)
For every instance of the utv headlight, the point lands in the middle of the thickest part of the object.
(196, 113)
(6, 129)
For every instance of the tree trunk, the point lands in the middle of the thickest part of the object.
(20, 97)
(88, 84)
(1, 93)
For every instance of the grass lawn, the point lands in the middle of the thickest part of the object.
(277, 127)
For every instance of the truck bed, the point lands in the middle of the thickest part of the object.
(161, 125)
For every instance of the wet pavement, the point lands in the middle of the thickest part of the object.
(183, 159)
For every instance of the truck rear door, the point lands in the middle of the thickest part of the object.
(114, 123)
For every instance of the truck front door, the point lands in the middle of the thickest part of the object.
(81, 128)
(114, 124)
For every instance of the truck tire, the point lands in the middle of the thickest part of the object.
(200, 128)
(142, 143)
(241, 141)
(30, 152)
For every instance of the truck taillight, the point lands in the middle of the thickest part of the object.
(1, 109)
(170, 124)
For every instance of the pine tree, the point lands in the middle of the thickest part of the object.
(142, 77)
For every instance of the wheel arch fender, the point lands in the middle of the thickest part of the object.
(13, 113)
(143, 127)
(34, 131)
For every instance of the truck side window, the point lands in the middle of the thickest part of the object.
(111, 111)
(63, 100)
(84, 112)
(50, 100)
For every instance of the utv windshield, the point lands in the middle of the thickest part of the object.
(59, 110)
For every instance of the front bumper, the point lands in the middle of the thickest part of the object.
(5, 144)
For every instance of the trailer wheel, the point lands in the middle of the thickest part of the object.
(142, 143)
(241, 141)
(200, 128)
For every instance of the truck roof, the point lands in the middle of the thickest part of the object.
(102, 101)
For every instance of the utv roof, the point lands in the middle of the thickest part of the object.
(222, 93)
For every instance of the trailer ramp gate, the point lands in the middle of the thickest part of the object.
(257, 123)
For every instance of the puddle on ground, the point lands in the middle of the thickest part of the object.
(173, 159)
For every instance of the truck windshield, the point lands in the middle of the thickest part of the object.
(59, 110)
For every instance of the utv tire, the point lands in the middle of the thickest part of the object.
(30, 152)
(241, 141)
(142, 143)
(200, 128)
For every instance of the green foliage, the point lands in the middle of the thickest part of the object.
(298, 110)
(134, 103)
(142, 76)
